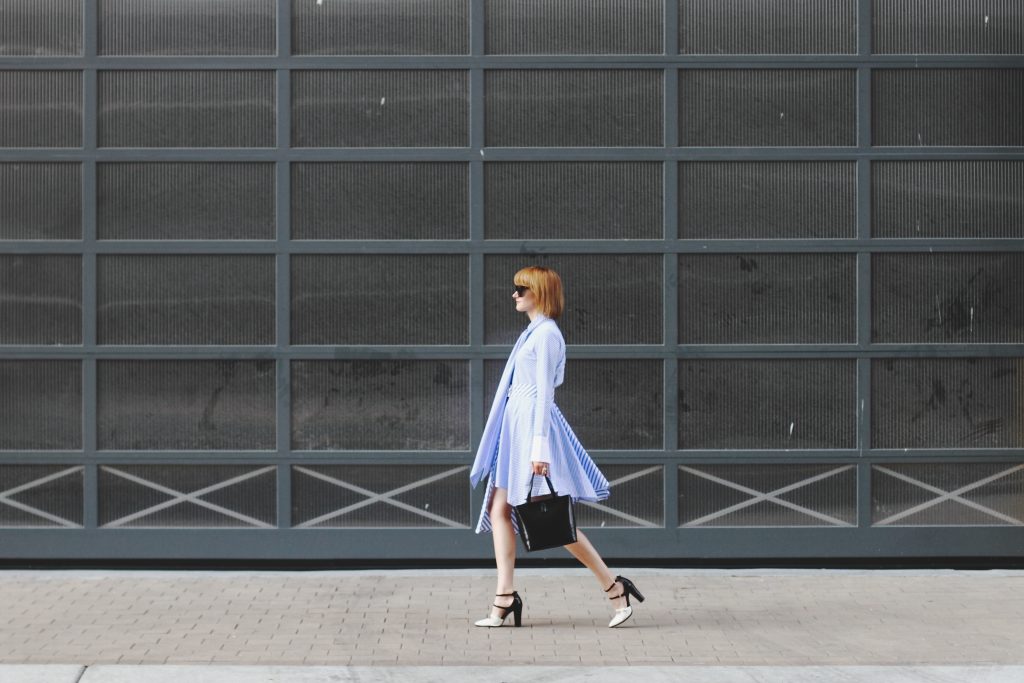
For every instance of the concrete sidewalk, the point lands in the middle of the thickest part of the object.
(725, 619)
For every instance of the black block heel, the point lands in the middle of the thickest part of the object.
(516, 609)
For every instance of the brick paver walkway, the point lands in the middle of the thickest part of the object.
(693, 617)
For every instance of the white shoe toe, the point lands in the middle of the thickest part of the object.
(490, 621)
(620, 616)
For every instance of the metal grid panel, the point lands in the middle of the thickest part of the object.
(50, 391)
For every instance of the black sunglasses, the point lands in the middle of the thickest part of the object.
(521, 289)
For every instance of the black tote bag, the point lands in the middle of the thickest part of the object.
(547, 522)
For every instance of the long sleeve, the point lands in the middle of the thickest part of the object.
(549, 351)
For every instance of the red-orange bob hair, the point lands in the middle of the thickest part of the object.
(546, 287)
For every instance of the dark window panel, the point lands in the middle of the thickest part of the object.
(208, 108)
(573, 200)
(185, 299)
(186, 404)
(767, 298)
(380, 299)
(40, 201)
(566, 27)
(187, 27)
(771, 403)
(41, 299)
(768, 495)
(380, 27)
(185, 201)
(946, 403)
(767, 27)
(767, 199)
(609, 299)
(637, 499)
(380, 108)
(47, 496)
(41, 108)
(610, 404)
(928, 107)
(40, 404)
(380, 405)
(40, 28)
(375, 201)
(187, 496)
(947, 494)
(573, 108)
(969, 198)
(958, 27)
(767, 107)
(342, 496)
(948, 298)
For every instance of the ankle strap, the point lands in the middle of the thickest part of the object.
(505, 594)
(610, 587)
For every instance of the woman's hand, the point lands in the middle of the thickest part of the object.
(540, 468)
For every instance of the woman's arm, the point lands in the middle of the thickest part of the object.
(549, 351)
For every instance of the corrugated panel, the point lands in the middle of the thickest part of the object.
(41, 496)
(768, 495)
(40, 405)
(767, 403)
(926, 199)
(378, 201)
(187, 496)
(574, 108)
(40, 201)
(609, 298)
(380, 299)
(767, 199)
(186, 108)
(380, 496)
(923, 107)
(380, 108)
(958, 27)
(179, 201)
(380, 27)
(611, 404)
(767, 107)
(946, 403)
(41, 299)
(407, 405)
(970, 298)
(186, 404)
(947, 494)
(767, 27)
(606, 27)
(41, 108)
(767, 298)
(41, 27)
(187, 27)
(637, 499)
(573, 200)
(185, 299)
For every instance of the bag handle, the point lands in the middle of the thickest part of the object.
(551, 488)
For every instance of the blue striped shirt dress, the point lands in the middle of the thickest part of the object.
(525, 425)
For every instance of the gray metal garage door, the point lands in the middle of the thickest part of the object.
(256, 258)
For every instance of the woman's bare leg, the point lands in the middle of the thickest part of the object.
(504, 547)
(585, 552)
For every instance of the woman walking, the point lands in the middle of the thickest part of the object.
(526, 434)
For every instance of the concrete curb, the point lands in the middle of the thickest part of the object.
(517, 674)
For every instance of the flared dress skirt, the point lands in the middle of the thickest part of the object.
(571, 469)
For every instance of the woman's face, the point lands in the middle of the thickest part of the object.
(526, 301)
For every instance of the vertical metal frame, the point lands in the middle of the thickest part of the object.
(286, 542)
